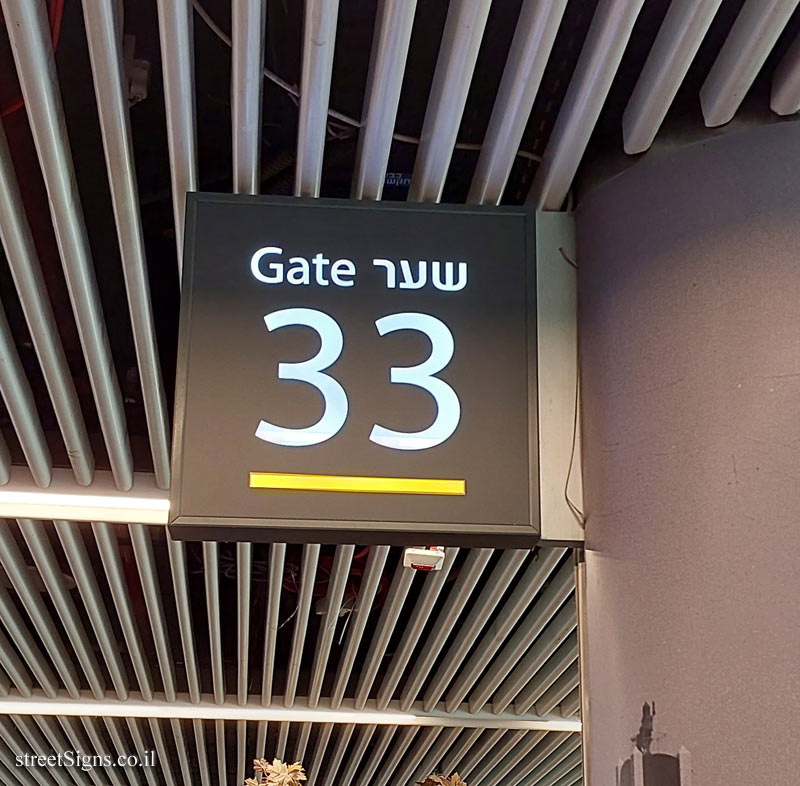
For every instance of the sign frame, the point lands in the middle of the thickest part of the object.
(522, 535)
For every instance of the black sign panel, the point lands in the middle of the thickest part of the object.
(356, 372)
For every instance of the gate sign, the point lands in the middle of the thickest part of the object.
(356, 372)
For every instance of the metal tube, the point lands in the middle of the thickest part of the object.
(319, 39)
(21, 407)
(390, 42)
(336, 586)
(102, 35)
(434, 756)
(23, 261)
(46, 563)
(357, 754)
(177, 561)
(499, 771)
(458, 53)
(318, 755)
(219, 732)
(109, 556)
(491, 759)
(402, 741)
(558, 690)
(17, 571)
(177, 64)
(462, 746)
(211, 572)
(202, 754)
(385, 736)
(422, 744)
(304, 600)
(14, 667)
(277, 557)
(366, 597)
(33, 53)
(80, 564)
(530, 49)
(412, 632)
(785, 96)
(248, 18)
(597, 65)
(244, 558)
(335, 759)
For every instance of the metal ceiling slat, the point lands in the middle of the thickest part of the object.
(78, 743)
(560, 588)
(499, 581)
(431, 589)
(521, 682)
(180, 746)
(283, 736)
(13, 775)
(46, 563)
(751, 39)
(785, 94)
(177, 65)
(335, 758)
(248, 19)
(54, 735)
(112, 727)
(571, 704)
(364, 737)
(202, 751)
(488, 741)
(148, 576)
(261, 740)
(16, 748)
(422, 744)
(458, 53)
(558, 690)
(462, 746)
(494, 774)
(80, 565)
(544, 759)
(597, 65)
(572, 777)
(679, 37)
(23, 261)
(27, 646)
(180, 590)
(318, 755)
(561, 660)
(492, 758)
(305, 598)
(39, 745)
(241, 746)
(33, 53)
(110, 89)
(5, 462)
(302, 741)
(388, 55)
(366, 597)
(99, 746)
(402, 741)
(385, 736)
(16, 569)
(141, 748)
(401, 583)
(468, 578)
(550, 772)
(430, 763)
(319, 39)
(277, 557)
(219, 734)
(164, 759)
(527, 57)
(211, 575)
(15, 668)
(5, 682)
(494, 637)
(244, 560)
(108, 547)
(337, 583)
(21, 407)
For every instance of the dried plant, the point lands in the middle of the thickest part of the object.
(443, 780)
(276, 773)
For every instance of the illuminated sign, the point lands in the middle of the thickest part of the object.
(356, 372)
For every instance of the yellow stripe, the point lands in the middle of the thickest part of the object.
(356, 483)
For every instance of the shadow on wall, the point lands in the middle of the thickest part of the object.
(645, 768)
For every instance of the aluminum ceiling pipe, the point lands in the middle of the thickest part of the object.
(387, 65)
(530, 50)
(26, 271)
(750, 40)
(458, 53)
(319, 40)
(102, 35)
(785, 98)
(33, 54)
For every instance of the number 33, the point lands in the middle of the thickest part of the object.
(312, 372)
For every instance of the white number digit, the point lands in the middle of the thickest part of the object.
(310, 371)
(448, 406)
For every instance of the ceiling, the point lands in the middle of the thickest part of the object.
(457, 101)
